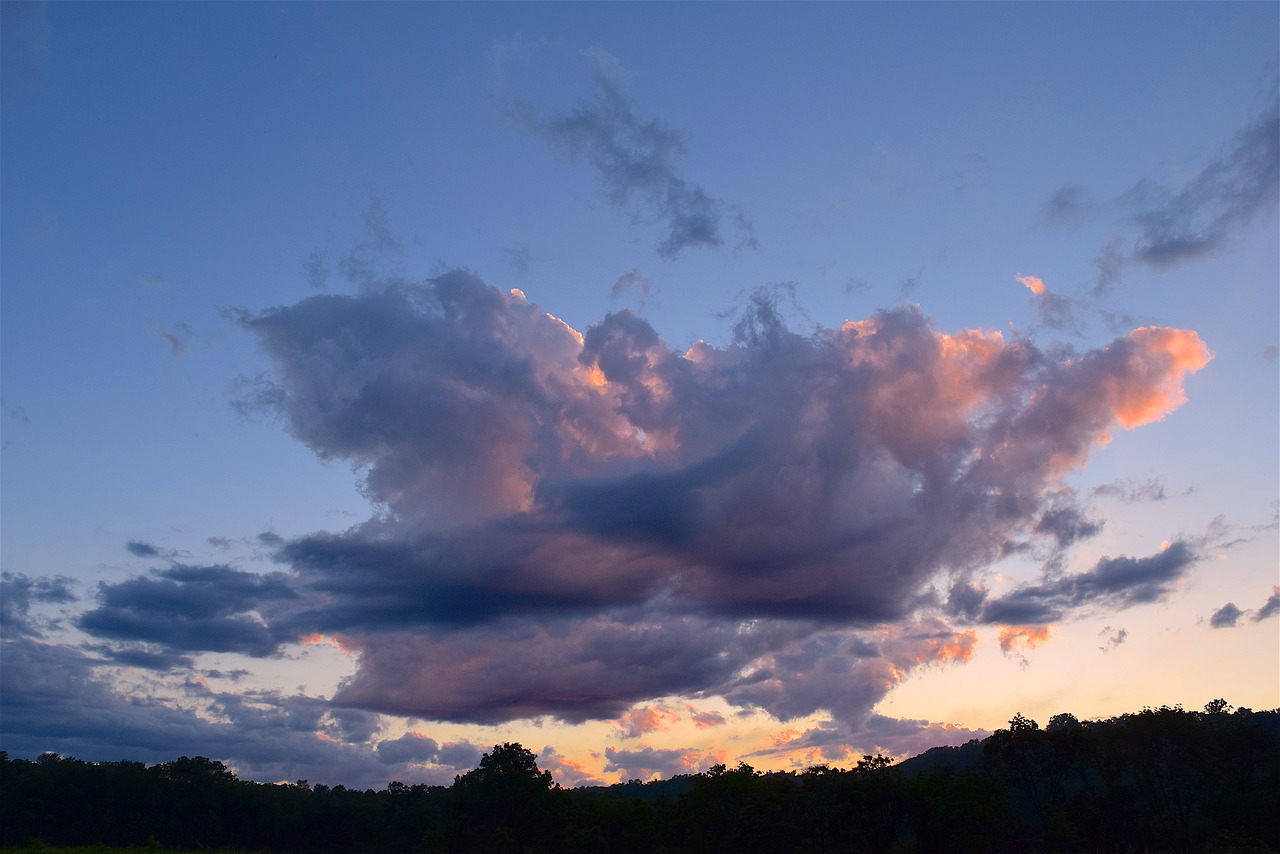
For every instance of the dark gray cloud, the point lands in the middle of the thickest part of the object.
(636, 158)
(140, 548)
(190, 608)
(571, 524)
(1114, 582)
(142, 656)
(1226, 616)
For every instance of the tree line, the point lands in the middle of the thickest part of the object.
(1156, 780)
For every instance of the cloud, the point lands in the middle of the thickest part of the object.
(19, 592)
(53, 699)
(1171, 224)
(1053, 310)
(1114, 582)
(573, 524)
(1068, 206)
(840, 742)
(1112, 638)
(1226, 616)
(644, 762)
(418, 749)
(645, 719)
(632, 281)
(1229, 616)
(1013, 638)
(519, 258)
(705, 720)
(139, 548)
(1130, 492)
(1032, 283)
(1239, 186)
(1269, 608)
(566, 771)
(176, 339)
(636, 159)
(190, 608)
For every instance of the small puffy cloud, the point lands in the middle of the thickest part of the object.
(1032, 283)
(636, 158)
(140, 548)
(1226, 616)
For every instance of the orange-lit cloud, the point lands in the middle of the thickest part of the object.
(785, 736)
(1030, 637)
(645, 719)
(317, 639)
(1033, 283)
(1156, 390)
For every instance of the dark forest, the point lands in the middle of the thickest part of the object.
(1160, 779)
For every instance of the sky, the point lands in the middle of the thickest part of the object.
(654, 385)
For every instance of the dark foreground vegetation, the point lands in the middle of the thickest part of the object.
(1158, 780)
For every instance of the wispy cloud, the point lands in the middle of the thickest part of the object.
(1168, 223)
(1112, 638)
(636, 158)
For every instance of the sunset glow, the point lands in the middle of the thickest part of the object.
(384, 382)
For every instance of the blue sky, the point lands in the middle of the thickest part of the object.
(265, 380)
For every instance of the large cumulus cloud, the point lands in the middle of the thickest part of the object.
(571, 523)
